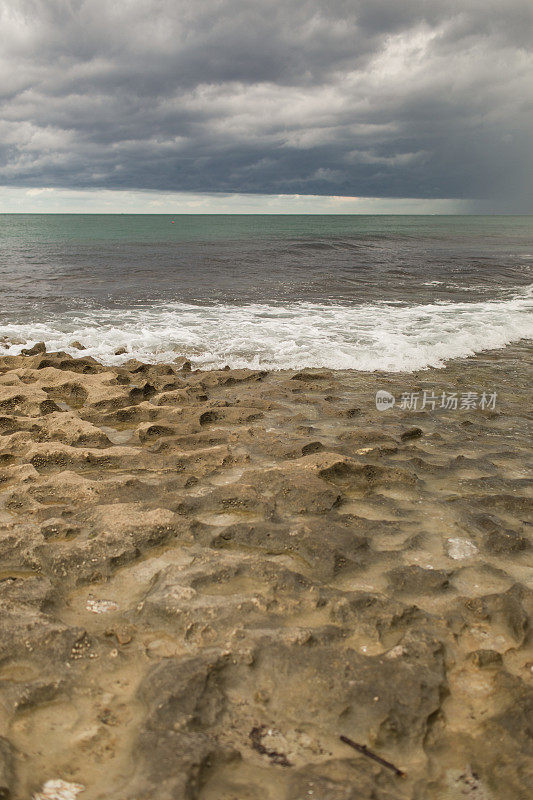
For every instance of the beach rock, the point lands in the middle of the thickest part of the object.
(7, 770)
(505, 541)
(40, 347)
(417, 580)
(484, 659)
(183, 363)
(187, 695)
(502, 749)
(78, 345)
(33, 591)
(508, 612)
(328, 550)
(29, 635)
(295, 490)
(263, 581)
(312, 376)
(350, 778)
(459, 548)
(411, 433)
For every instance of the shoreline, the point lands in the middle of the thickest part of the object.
(78, 351)
(400, 336)
(208, 576)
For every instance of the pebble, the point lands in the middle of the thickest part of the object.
(461, 548)
(59, 790)
(101, 606)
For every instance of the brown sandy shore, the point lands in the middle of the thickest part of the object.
(206, 578)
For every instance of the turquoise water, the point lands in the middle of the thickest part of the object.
(213, 227)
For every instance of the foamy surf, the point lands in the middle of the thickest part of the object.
(368, 337)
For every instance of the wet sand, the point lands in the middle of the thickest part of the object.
(206, 578)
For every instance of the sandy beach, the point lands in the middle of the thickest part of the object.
(209, 577)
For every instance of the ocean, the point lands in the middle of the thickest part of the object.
(394, 293)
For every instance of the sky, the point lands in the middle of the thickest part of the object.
(345, 106)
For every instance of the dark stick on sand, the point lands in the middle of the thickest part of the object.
(362, 748)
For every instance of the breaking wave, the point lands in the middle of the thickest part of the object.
(367, 337)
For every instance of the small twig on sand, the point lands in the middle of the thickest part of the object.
(362, 748)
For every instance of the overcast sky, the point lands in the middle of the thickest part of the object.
(109, 101)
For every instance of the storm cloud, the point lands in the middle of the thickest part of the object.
(369, 98)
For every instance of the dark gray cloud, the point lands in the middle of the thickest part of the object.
(382, 98)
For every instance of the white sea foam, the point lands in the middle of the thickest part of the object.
(364, 337)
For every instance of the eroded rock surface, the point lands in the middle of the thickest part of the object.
(206, 578)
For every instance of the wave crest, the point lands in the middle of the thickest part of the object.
(293, 336)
